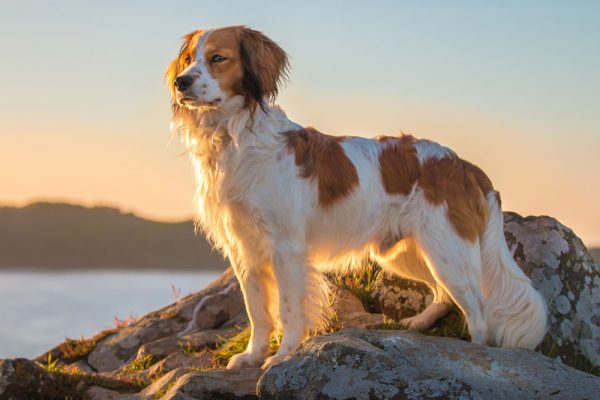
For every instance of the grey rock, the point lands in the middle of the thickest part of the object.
(160, 329)
(399, 298)
(563, 270)
(159, 387)
(24, 379)
(364, 364)
(350, 312)
(100, 393)
(216, 384)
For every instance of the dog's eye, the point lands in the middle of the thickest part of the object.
(188, 60)
(217, 58)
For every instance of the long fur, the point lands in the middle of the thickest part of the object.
(516, 313)
(260, 206)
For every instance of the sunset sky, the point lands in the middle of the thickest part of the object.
(513, 87)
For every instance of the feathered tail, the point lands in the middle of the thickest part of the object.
(516, 313)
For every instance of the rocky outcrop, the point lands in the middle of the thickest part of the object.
(196, 320)
(22, 379)
(215, 384)
(369, 365)
(560, 267)
(177, 352)
(563, 270)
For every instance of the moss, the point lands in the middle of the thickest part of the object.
(452, 325)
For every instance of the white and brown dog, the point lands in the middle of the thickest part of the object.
(285, 203)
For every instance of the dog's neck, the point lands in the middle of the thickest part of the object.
(209, 133)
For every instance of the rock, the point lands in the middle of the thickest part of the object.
(24, 379)
(160, 387)
(563, 270)
(350, 312)
(220, 308)
(365, 364)
(216, 384)
(399, 298)
(100, 393)
(116, 349)
(176, 360)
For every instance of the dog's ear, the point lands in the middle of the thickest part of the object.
(265, 68)
(178, 64)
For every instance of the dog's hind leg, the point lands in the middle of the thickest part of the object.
(455, 264)
(404, 260)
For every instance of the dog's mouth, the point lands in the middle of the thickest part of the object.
(193, 102)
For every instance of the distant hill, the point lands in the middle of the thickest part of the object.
(64, 236)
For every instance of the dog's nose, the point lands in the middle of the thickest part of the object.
(183, 82)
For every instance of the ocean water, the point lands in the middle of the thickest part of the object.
(39, 309)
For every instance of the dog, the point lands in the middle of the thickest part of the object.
(285, 203)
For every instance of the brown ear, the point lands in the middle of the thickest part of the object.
(265, 67)
(178, 65)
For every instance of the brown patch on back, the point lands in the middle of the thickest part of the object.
(463, 187)
(322, 157)
(398, 164)
(459, 184)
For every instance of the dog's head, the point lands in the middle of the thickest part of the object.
(216, 65)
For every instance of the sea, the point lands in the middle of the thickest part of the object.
(38, 310)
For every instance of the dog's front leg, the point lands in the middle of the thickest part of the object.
(289, 261)
(256, 284)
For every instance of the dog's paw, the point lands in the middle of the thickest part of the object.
(245, 360)
(276, 359)
(416, 323)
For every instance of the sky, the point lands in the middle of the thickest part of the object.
(513, 87)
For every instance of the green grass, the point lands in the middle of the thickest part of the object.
(361, 283)
(237, 343)
(158, 395)
(141, 364)
(50, 365)
(76, 349)
(187, 347)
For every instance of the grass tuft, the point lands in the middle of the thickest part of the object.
(75, 349)
(159, 395)
(50, 365)
(237, 343)
(141, 364)
(187, 347)
(361, 283)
